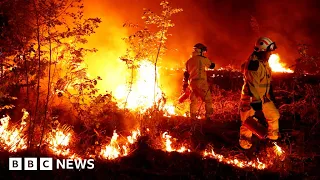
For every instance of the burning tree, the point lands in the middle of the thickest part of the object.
(46, 57)
(147, 45)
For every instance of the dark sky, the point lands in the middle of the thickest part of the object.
(224, 25)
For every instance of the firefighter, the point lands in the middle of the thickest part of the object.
(195, 74)
(257, 94)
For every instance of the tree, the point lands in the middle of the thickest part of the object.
(148, 43)
(43, 40)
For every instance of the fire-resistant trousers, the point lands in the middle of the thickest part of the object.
(200, 89)
(272, 116)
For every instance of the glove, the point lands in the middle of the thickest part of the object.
(184, 87)
(260, 116)
(256, 106)
(212, 65)
(185, 81)
(186, 75)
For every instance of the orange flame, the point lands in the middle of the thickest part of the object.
(141, 96)
(235, 162)
(58, 142)
(113, 149)
(13, 140)
(143, 93)
(277, 66)
(134, 136)
(168, 143)
(279, 151)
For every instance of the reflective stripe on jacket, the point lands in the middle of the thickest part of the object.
(256, 81)
(196, 65)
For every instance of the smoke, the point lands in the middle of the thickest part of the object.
(224, 26)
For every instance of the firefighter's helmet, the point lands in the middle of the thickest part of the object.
(200, 46)
(265, 44)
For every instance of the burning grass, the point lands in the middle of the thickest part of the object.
(59, 143)
(13, 138)
(161, 124)
(122, 147)
(165, 131)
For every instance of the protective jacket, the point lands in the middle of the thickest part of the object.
(256, 91)
(196, 65)
(257, 80)
(196, 74)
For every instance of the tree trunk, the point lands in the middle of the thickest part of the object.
(31, 130)
(44, 121)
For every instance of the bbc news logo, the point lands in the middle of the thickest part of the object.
(47, 163)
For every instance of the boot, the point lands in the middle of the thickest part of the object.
(245, 142)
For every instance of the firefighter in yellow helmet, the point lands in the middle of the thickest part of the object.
(195, 74)
(257, 95)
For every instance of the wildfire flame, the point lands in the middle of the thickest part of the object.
(58, 142)
(12, 139)
(169, 110)
(141, 97)
(277, 66)
(134, 136)
(279, 151)
(143, 93)
(168, 142)
(113, 149)
(234, 161)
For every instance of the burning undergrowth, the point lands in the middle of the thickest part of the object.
(60, 141)
(164, 139)
(102, 132)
